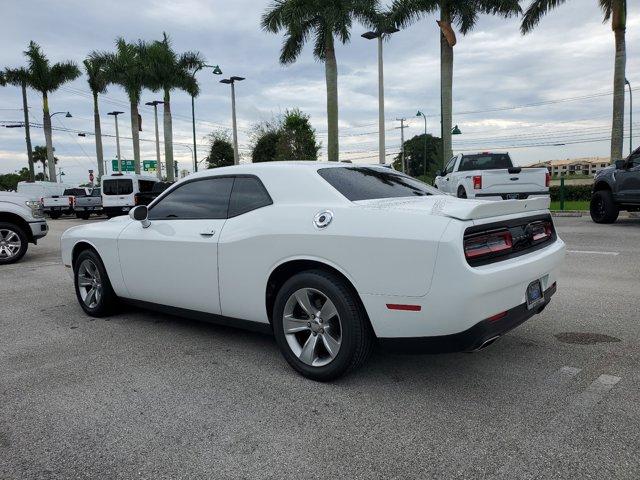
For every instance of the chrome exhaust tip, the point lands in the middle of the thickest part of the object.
(486, 343)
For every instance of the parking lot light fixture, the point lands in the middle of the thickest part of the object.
(115, 114)
(231, 81)
(456, 131)
(66, 114)
(630, 116)
(155, 104)
(420, 114)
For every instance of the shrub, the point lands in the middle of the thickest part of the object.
(571, 192)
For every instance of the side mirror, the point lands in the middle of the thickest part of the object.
(620, 164)
(140, 214)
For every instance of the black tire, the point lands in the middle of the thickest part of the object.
(356, 336)
(55, 215)
(603, 208)
(107, 301)
(462, 193)
(8, 234)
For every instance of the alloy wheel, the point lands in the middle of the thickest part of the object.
(10, 244)
(312, 327)
(89, 283)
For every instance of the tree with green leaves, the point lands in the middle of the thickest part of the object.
(19, 77)
(326, 21)
(265, 139)
(39, 155)
(297, 138)
(98, 81)
(414, 154)
(125, 67)
(464, 14)
(220, 150)
(166, 70)
(46, 78)
(616, 12)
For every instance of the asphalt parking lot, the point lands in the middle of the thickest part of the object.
(144, 395)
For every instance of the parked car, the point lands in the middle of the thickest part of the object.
(85, 205)
(616, 188)
(119, 191)
(145, 198)
(57, 205)
(330, 257)
(21, 223)
(491, 176)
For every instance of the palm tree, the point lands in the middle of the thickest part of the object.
(39, 155)
(126, 68)
(464, 14)
(19, 78)
(98, 81)
(326, 21)
(616, 11)
(167, 70)
(47, 78)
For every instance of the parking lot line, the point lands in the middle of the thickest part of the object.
(593, 252)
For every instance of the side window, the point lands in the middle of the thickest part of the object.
(200, 199)
(110, 187)
(450, 165)
(248, 194)
(146, 186)
(635, 158)
(125, 187)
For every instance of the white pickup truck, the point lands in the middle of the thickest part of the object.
(58, 205)
(21, 223)
(491, 176)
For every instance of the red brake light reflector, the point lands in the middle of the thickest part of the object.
(497, 317)
(488, 243)
(547, 180)
(477, 182)
(406, 308)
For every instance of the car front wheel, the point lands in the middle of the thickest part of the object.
(603, 209)
(13, 243)
(93, 288)
(320, 325)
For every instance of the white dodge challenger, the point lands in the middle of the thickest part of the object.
(332, 258)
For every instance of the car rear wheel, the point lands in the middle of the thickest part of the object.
(603, 209)
(320, 327)
(13, 243)
(93, 288)
(462, 193)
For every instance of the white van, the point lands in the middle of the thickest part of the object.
(119, 191)
(38, 190)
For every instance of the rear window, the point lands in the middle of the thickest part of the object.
(485, 161)
(95, 192)
(367, 183)
(121, 186)
(146, 186)
(74, 192)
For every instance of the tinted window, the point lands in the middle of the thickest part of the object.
(364, 183)
(75, 192)
(117, 187)
(489, 161)
(201, 199)
(248, 194)
(146, 185)
(95, 192)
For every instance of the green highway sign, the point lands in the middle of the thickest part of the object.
(149, 165)
(127, 165)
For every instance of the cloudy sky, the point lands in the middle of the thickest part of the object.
(543, 96)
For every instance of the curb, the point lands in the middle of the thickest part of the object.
(568, 213)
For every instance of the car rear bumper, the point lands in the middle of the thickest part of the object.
(511, 195)
(478, 336)
(88, 209)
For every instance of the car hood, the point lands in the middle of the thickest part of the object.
(462, 209)
(11, 197)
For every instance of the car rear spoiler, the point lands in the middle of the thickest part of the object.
(486, 209)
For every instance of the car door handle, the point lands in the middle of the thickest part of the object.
(208, 233)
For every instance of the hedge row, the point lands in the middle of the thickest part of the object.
(571, 192)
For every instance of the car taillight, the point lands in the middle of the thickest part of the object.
(542, 231)
(477, 182)
(488, 244)
(547, 180)
(71, 201)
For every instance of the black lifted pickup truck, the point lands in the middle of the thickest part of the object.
(616, 188)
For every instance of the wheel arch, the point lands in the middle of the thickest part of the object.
(80, 247)
(18, 221)
(286, 269)
(602, 185)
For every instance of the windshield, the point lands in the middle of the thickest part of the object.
(485, 161)
(368, 183)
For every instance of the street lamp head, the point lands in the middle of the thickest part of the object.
(237, 79)
(370, 35)
(226, 80)
(115, 113)
(217, 70)
(68, 115)
(152, 104)
(456, 131)
(82, 134)
(419, 114)
(626, 80)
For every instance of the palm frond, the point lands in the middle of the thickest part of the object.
(535, 12)
(406, 12)
(62, 73)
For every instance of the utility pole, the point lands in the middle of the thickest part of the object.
(630, 116)
(27, 132)
(231, 81)
(402, 127)
(115, 115)
(420, 114)
(155, 104)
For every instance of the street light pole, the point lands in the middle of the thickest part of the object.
(402, 127)
(425, 139)
(380, 36)
(630, 116)
(216, 71)
(155, 104)
(115, 115)
(231, 81)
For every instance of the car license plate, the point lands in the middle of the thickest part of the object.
(535, 296)
(512, 196)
